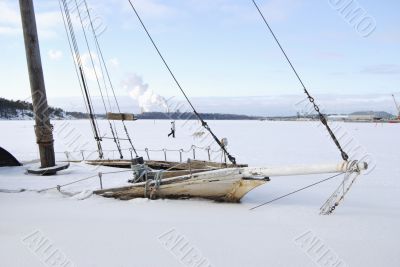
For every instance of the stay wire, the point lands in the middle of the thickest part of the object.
(109, 78)
(97, 78)
(109, 102)
(90, 54)
(72, 53)
(81, 76)
(76, 55)
(310, 98)
(204, 123)
(296, 191)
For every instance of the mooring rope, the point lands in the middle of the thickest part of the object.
(80, 180)
(156, 184)
(296, 191)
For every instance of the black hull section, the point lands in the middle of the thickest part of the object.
(7, 160)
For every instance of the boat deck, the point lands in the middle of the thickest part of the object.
(167, 165)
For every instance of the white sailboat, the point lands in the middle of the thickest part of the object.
(228, 185)
(231, 182)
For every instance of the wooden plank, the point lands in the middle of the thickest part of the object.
(163, 165)
(121, 116)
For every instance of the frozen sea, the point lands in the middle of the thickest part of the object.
(94, 231)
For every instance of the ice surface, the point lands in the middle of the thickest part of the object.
(95, 231)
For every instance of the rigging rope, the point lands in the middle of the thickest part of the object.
(204, 123)
(97, 78)
(296, 191)
(79, 70)
(338, 195)
(109, 79)
(108, 100)
(72, 53)
(310, 98)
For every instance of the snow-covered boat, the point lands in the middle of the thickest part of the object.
(223, 182)
(228, 185)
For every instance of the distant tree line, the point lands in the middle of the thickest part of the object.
(77, 115)
(192, 116)
(11, 109)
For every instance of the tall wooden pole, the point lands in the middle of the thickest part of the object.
(43, 128)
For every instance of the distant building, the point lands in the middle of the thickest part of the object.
(338, 117)
(369, 117)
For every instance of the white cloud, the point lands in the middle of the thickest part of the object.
(389, 69)
(154, 9)
(10, 20)
(245, 11)
(149, 8)
(114, 62)
(279, 10)
(91, 73)
(329, 55)
(8, 14)
(55, 54)
(48, 22)
(8, 30)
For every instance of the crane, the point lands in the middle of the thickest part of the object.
(397, 106)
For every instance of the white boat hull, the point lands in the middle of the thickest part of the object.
(228, 185)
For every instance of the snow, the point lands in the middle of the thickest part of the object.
(94, 231)
(26, 114)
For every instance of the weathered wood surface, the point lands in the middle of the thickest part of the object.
(48, 171)
(43, 128)
(221, 185)
(121, 116)
(229, 184)
(164, 165)
(177, 179)
(169, 174)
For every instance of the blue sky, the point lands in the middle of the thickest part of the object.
(216, 47)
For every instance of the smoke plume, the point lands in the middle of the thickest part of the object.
(147, 99)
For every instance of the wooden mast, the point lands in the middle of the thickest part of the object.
(43, 128)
